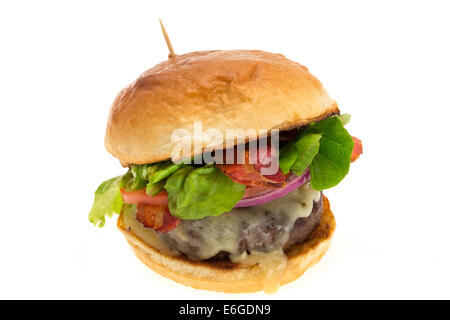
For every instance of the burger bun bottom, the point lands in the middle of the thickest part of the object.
(225, 276)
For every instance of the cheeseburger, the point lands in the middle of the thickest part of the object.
(227, 155)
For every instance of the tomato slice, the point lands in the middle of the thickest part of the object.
(139, 196)
(357, 149)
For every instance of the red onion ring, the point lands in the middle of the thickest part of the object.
(293, 183)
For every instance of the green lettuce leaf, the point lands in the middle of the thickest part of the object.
(135, 178)
(297, 155)
(153, 189)
(325, 147)
(198, 193)
(345, 118)
(126, 181)
(149, 176)
(108, 201)
(308, 147)
(140, 177)
(164, 171)
(288, 155)
(332, 162)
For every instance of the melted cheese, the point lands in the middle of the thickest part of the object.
(204, 238)
(271, 265)
(148, 235)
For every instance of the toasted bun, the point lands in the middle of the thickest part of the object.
(228, 277)
(238, 89)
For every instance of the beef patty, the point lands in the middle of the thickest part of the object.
(270, 231)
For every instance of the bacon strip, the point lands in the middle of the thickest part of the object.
(157, 217)
(250, 174)
(170, 223)
(357, 149)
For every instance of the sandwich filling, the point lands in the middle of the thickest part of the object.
(167, 192)
(263, 228)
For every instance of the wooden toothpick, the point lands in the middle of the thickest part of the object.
(166, 37)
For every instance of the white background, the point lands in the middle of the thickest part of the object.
(62, 63)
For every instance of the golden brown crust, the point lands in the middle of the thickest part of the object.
(240, 89)
(225, 276)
